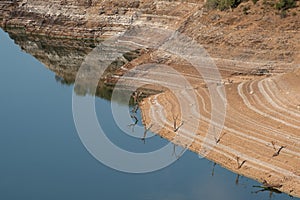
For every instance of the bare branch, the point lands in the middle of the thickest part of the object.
(273, 144)
(219, 139)
(175, 122)
(175, 130)
(277, 153)
(239, 165)
(242, 163)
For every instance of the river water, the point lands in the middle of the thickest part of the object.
(42, 156)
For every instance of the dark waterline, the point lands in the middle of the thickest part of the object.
(43, 158)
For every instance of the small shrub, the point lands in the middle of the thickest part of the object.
(285, 4)
(283, 14)
(254, 1)
(222, 4)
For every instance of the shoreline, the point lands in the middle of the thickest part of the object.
(238, 141)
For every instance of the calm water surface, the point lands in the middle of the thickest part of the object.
(42, 156)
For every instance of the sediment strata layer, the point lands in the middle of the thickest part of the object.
(262, 118)
(239, 42)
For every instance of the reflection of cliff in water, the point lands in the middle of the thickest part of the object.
(65, 56)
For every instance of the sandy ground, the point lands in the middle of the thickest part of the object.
(262, 115)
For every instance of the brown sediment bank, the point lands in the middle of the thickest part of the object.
(262, 117)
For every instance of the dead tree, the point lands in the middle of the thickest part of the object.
(219, 139)
(239, 165)
(277, 151)
(273, 144)
(176, 128)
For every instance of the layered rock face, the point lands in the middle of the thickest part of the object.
(92, 19)
(258, 40)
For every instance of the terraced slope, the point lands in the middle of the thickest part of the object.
(263, 114)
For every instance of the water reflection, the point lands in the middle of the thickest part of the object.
(271, 190)
(65, 56)
(188, 179)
